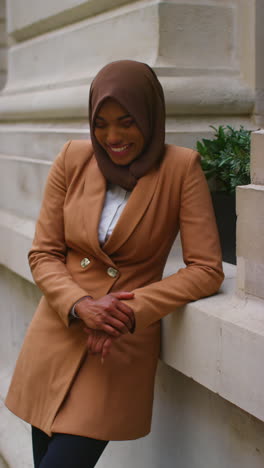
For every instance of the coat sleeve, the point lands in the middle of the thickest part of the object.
(203, 273)
(47, 257)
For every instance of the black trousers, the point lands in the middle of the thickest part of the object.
(65, 450)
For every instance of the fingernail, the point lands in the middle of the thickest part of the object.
(102, 360)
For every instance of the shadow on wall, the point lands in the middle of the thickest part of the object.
(2, 463)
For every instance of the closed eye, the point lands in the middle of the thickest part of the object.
(99, 124)
(128, 123)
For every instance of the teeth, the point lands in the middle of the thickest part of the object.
(119, 150)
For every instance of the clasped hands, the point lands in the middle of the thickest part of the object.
(105, 319)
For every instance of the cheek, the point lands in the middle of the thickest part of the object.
(137, 137)
(140, 142)
(98, 135)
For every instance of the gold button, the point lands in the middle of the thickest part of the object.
(112, 272)
(85, 262)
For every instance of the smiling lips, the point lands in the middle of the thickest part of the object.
(119, 150)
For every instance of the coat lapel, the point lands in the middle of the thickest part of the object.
(94, 195)
(93, 201)
(133, 212)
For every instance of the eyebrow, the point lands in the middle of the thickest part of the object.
(119, 118)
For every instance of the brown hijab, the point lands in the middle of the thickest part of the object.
(136, 87)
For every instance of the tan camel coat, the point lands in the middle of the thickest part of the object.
(56, 385)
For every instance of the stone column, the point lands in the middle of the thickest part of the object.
(250, 225)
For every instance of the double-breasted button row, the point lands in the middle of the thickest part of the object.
(112, 272)
(85, 262)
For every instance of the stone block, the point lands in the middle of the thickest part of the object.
(16, 235)
(39, 141)
(3, 59)
(194, 28)
(250, 240)
(18, 302)
(2, 80)
(3, 9)
(61, 66)
(250, 222)
(212, 97)
(3, 463)
(3, 35)
(32, 18)
(257, 157)
(44, 140)
(217, 341)
(129, 32)
(76, 52)
(259, 63)
(22, 183)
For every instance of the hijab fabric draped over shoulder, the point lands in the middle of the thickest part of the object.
(136, 87)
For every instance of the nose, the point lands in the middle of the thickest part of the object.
(114, 136)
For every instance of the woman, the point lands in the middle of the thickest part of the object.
(111, 211)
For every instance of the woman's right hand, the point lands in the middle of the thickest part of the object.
(108, 313)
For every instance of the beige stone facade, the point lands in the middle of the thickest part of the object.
(208, 55)
(3, 44)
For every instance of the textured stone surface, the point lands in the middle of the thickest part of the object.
(259, 62)
(3, 40)
(257, 158)
(3, 463)
(250, 240)
(22, 183)
(32, 18)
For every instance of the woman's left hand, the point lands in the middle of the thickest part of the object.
(98, 342)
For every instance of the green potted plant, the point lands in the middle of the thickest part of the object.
(225, 160)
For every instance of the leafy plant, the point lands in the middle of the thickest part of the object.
(226, 158)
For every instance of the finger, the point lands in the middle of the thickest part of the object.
(98, 347)
(117, 324)
(106, 347)
(94, 343)
(89, 343)
(123, 317)
(123, 295)
(128, 313)
(110, 330)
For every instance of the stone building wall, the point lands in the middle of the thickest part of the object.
(208, 55)
(3, 44)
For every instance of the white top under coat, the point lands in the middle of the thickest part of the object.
(115, 201)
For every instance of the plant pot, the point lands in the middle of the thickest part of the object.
(225, 212)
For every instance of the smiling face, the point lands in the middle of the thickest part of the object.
(117, 132)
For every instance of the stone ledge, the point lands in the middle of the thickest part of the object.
(200, 95)
(217, 341)
(43, 140)
(35, 19)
